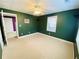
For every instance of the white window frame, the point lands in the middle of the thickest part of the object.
(52, 23)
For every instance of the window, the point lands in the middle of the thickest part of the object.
(51, 23)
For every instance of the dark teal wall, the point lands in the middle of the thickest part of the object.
(25, 28)
(66, 25)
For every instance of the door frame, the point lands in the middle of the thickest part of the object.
(12, 15)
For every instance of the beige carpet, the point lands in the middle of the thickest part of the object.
(38, 46)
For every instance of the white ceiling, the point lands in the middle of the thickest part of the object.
(49, 6)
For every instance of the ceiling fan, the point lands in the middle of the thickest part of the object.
(38, 9)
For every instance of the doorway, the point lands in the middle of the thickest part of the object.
(77, 43)
(9, 26)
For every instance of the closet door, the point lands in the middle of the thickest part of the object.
(77, 42)
(3, 33)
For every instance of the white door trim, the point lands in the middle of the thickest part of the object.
(13, 15)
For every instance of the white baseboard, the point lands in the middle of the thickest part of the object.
(58, 38)
(37, 33)
(28, 35)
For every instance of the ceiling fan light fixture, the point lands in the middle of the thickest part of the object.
(37, 13)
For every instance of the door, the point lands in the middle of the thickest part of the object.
(3, 34)
(1, 40)
(77, 39)
(77, 42)
(10, 27)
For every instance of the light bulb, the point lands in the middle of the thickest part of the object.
(37, 13)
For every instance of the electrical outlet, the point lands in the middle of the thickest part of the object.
(29, 32)
(49, 33)
(21, 33)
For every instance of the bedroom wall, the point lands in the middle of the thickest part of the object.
(66, 25)
(23, 28)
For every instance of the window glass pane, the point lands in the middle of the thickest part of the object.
(51, 23)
